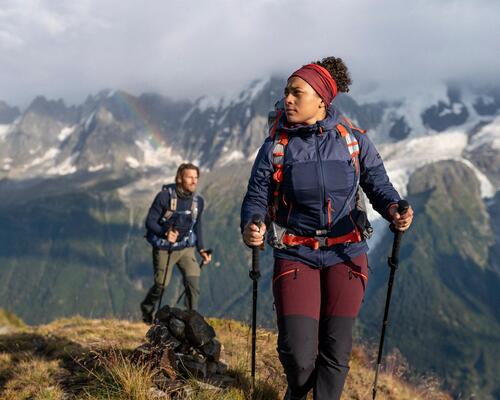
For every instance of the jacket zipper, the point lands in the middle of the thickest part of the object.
(329, 213)
(323, 192)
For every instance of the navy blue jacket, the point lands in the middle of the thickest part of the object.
(317, 169)
(181, 221)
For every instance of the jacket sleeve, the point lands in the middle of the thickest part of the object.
(160, 204)
(198, 226)
(374, 180)
(258, 193)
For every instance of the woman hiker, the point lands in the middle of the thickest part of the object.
(305, 181)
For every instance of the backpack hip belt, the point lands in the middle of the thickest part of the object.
(279, 238)
(317, 242)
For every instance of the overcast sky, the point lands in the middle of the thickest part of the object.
(70, 49)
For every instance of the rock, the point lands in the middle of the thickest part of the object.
(222, 380)
(142, 353)
(161, 336)
(221, 368)
(163, 314)
(193, 367)
(181, 314)
(198, 331)
(177, 328)
(211, 368)
(168, 363)
(161, 381)
(212, 350)
(155, 393)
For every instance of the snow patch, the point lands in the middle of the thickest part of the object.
(253, 156)
(5, 130)
(208, 102)
(67, 167)
(65, 132)
(132, 162)
(95, 168)
(248, 94)
(488, 135)
(157, 157)
(89, 121)
(487, 189)
(235, 155)
(49, 155)
(401, 159)
(456, 108)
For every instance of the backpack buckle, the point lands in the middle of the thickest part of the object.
(322, 241)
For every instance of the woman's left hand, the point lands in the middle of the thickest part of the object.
(400, 222)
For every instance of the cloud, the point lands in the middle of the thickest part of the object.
(187, 49)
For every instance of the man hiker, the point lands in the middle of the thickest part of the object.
(174, 230)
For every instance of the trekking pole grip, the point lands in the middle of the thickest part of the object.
(255, 273)
(403, 207)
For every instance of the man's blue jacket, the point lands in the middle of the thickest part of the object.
(318, 188)
(182, 222)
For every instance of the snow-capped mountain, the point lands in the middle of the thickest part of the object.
(116, 132)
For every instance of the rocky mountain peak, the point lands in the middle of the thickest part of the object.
(7, 113)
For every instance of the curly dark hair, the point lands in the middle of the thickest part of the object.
(338, 70)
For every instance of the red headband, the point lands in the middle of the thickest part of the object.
(320, 80)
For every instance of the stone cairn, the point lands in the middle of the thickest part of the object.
(181, 344)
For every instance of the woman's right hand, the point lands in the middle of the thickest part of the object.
(253, 235)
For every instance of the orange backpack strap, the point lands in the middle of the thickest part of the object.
(352, 145)
(351, 125)
(274, 127)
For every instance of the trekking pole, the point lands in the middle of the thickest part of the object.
(164, 276)
(202, 263)
(255, 275)
(393, 262)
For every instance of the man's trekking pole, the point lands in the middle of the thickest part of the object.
(393, 262)
(164, 276)
(255, 275)
(202, 263)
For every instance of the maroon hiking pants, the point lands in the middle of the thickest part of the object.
(316, 309)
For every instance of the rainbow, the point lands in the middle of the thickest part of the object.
(133, 106)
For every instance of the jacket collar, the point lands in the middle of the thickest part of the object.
(333, 118)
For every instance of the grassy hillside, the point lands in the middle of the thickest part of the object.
(77, 358)
(444, 314)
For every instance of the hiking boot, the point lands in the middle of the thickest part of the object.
(288, 395)
(147, 314)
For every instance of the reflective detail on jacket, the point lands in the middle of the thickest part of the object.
(318, 169)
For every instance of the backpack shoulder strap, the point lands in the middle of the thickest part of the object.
(279, 149)
(352, 145)
(352, 126)
(172, 203)
(195, 208)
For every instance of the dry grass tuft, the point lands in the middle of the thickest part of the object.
(119, 378)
